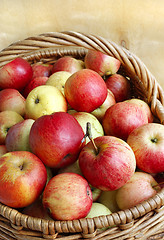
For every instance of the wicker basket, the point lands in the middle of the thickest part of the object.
(145, 220)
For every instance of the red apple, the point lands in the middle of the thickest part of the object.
(122, 118)
(11, 99)
(7, 120)
(35, 82)
(41, 70)
(85, 90)
(110, 166)
(120, 87)
(144, 106)
(17, 138)
(101, 63)
(3, 150)
(15, 74)
(67, 196)
(67, 63)
(22, 178)
(56, 139)
(139, 188)
(147, 142)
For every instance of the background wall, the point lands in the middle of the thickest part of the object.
(136, 24)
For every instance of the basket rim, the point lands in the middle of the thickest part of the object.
(77, 44)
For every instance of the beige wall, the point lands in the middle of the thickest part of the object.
(137, 22)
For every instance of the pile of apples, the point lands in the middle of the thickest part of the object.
(74, 142)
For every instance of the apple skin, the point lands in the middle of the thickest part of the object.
(100, 111)
(83, 118)
(122, 118)
(56, 139)
(147, 143)
(15, 74)
(67, 63)
(7, 120)
(139, 188)
(111, 167)
(22, 178)
(98, 209)
(67, 196)
(11, 99)
(3, 150)
(41, 70)
(85, 90)
(108, 198)
(101, 63)
(17, 138)
(119, 86)
(58, 79)
(144, 106)
(35, 82)
(44, 100)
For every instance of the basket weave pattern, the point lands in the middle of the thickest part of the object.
(145, 220)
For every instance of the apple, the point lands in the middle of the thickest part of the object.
(76, 169)
(83, 118)
(7, 120)
(3, 149)
(100, 111)
(144, 106)
(15, 74)
(44, 100)
(139, 188)
(108, 198)
(85, 90)
(122, 118)
(120, 87)
(67, 196)
(58, 80)
(101, 63)
(35, 82)
(12, 99)
(17, 138)
(147, 143)
(159, 177)
(67, 63)
(22, 178)
(97, 210)
(36, 209)
(56, 139)
(41, 70)
(108, 166)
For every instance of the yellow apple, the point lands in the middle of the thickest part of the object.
(108, 198)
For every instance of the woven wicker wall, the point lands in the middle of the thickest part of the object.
(136, 24)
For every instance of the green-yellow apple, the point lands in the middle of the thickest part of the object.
(101, 63)
(56, 139)
(15, 74)
(7, 120)
(67, 63)
(11, 99)
(100, 111)
(98, 209)
(144, 106)
(122, 118)
(139, 188)
(147, 143)
(17, 138)
(108, 166)
(3, 150)
(85, 90)
(58, 80)
(83, 118)
(108, 198)
(67, 196)
(35, 82)
(22, 178)
(120, 87)
(44, 100)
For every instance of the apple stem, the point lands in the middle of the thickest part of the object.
(158, 184)
(89, 134)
